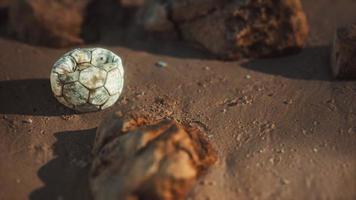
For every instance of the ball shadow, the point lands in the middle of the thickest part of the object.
(66, 176)
(30, 97)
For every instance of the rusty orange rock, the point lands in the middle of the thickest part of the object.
(233, 29)
(139, 158)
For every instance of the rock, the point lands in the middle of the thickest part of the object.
(233, 29)
(161, 64)
(153, 17)
(27, 121)
(139, 158)
(344, 53)
(109, 16)
(5, 3)
(48, 22)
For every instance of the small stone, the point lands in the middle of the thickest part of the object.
(212, 183)
(280, 151)
(350, 130)
(285, 181)
(288, 102)
(248, 76)
(161, 64)
(271, 160)
(27, 121)
(315, 150)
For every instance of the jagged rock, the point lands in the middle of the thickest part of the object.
(139, 158)
(344, 53)
(48, 22)
(232, 29)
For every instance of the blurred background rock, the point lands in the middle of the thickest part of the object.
(227, 29)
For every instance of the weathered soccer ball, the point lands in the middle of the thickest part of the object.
(88, 79)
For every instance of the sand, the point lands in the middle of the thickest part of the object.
(283, 128)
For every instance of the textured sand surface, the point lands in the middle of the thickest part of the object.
(282, 127)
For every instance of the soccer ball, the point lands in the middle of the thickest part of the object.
(89, 79)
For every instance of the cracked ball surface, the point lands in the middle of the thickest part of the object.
(88, 79)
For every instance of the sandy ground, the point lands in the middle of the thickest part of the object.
(282, 127)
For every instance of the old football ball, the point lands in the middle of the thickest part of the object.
(88, 79)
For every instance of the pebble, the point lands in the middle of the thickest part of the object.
(285, 181)
(281, 151)
(288, 102)
(248, 76)
(161, 64)
(28, 121)
(271, 160)
(205, 182)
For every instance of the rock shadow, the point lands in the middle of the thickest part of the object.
(66, 176)
(312, 63)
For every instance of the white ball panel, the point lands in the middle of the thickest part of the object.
(69, 77)
(98, 96)
(92, 77)
(64, 65)
(56, 86)
(63, 101)
(81, 56)
(111, 101)
(75, 93)
(113, 82)
(101, 56)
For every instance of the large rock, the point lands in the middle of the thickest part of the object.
(232, 29)
(48, 22)
(140, 158)
(344, 53)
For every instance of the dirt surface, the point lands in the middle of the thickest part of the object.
(282, 127)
